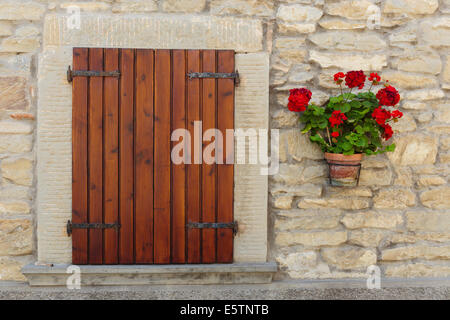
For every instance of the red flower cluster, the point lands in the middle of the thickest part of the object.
(335, 134)
(299, 99)
(381, 115)
(337, 118)
(388, 96)
(338, 77)
(355, 79)
(375, 78)
(388, 132)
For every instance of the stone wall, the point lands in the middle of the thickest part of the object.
(398, 218)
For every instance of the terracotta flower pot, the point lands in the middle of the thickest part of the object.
(344, 170)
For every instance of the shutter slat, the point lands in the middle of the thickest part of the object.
(95, 145)
(162, 210)
(144, 156)
(225, 115)
(111, 157)
(79, 157)
(208, 170)
(126, 158)
(178, 170)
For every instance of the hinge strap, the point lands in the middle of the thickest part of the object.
(89, 73)
(214, 225)
(71, 226)
(216, 75)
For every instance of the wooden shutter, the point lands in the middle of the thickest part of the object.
(123, 177)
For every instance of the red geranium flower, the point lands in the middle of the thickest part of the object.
(355, 79)
(374, 77)
(335, 134)
(397, 114)
(337, 118)
(299, 99)
(338, 77)
(388, 96)
(388, 132)
(381, 115)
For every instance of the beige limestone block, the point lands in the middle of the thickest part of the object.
(13, 93)
(289, 28)
(428, 221)
(372, 177)
(86, 6)
(438, 198)
(293, 55)
(427, 181)
(394, 198)
(435, 32)
(405, 124)
(135, 6)
(349, 258)
(411, 6)
(415, 252)
(414, 270)
(446, 74)
(10, 269)
(349, 192)
(340, 203)
(20, 44)
(298, 13)
(349, 61)
(419, 60)
(299, 146)
(307, 219)
(284, 118)
(413, 105)
(15, 237)
(17, 207)
(12, 143)
(430, 94)
(408, 80)
(283, 202)
(347, 40)
(19, 171)
(312, 239)
(15, 127)
(350, 9)
(18, 10)
(366, 237)
(263, 8)
(414, 149)
(6, 28)
(372, 219)
(340, 24)
(301, 190)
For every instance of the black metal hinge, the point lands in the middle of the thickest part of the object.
(214, 225)
(216, 75)
(85, 73)
(71, 226)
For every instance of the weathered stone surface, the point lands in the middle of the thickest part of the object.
(372, 219)
(381, 177)
(414, 150)
(11, 143)
(283, 202)
(445, 143)
(312, 239)
(293, 55)
(446, 74)
(349, 192)
(291, 174)
(429, 94)
(350, 9)
(298, 146)
(18, 171)
(6, 28)
(414, 252)
(366, 237)
(421, 60)
(298, 13)
(303, 265)
(412, 105)
(10, 269)
(14, 10)
(287, 28)
(13, 94)
(340, 24)
(402, 238)
(14, 207)
(394, 198)
(414, 270)
(405, 34)
(439, 129)
(348, 62)
(307, 219)
(377, 162)
(428, 221)
(444, 157)
(20, 44)
(135, 6)
(408, 80)
(194, 5)
(15, 237)
(87, 6)
(349, 258)
(341, 203)
(424, 117)
(438, 198)
(436, 32)
(314, 173)
(346, 40)
(284, 118)
(411, 6)
(264, 8)
(427, 181)
(302, 190)
(15, 127)
(405, 124)
(404, 177)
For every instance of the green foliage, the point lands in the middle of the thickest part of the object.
(360, 133)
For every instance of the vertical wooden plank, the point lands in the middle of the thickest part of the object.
(126, 157)
(95, 145)
(178, 252)
(208, 170)
(162, 179)
(144, 156)
(193, 170)
(79, 157)
(111, 157)
(225, 118)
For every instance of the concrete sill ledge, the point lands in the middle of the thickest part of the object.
(110, 275)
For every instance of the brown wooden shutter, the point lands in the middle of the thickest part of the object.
(131, 204)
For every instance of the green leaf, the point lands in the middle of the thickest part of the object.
(307, 128)
(390, 147)
(346, 146)
(346, 108)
